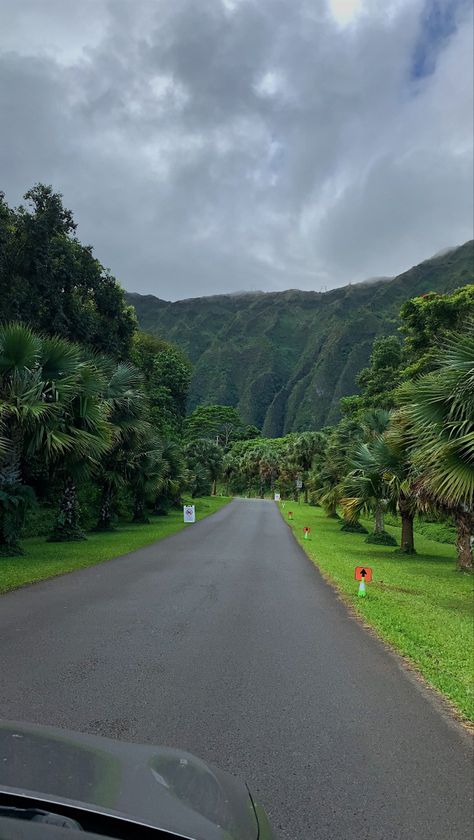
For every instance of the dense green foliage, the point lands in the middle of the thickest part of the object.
(166, 376)
(427, 321)
(220, 423)
(285, 359)
(54, 284)
(90, 409)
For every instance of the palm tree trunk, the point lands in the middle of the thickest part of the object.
(106, 508)
(379, 520)
(306, 495)
(465, 526)
(214, 488)
(68, 521)
(407, 544)
(408, 540)
(11, 509)
(139, 515)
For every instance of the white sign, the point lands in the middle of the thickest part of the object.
(299, 483)
(277, 497)
(189, 513)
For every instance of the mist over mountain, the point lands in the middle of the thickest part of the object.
(284, 359)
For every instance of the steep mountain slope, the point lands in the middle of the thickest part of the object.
(285, 358)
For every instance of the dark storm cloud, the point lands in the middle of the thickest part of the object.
(219, 146)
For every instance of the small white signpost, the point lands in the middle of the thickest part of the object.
(299, 484)
(277, 497)
(189, 513)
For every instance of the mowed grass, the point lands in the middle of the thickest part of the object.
(419, 604)
(44, 560)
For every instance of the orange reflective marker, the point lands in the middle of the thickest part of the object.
(306, 532)
(290, 514)
(363, 573)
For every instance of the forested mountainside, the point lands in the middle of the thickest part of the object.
(284, 359)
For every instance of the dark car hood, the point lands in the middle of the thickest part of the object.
(164, 788)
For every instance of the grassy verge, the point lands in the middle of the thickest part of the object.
(44, 560)
(419, 604)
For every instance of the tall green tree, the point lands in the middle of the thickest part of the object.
(174, 477)
(365, 488)
(83, 424)
(302, 451)
(437, 420)
(53, 283)
(126, 406)
(167, 374)
(427, 321)
(220, 423)
(204, 454)
(377, 381)
(38, 382)
(325, 480)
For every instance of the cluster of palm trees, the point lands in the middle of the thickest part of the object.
(66, 416)
(423, 460)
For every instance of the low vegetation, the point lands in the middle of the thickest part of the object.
(93, 433)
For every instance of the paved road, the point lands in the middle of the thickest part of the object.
(225, 641)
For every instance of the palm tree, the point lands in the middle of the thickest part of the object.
(37, 378)
(209, 455)
(302, 453)
(366, 490)
(174, 477)
(382, 470)
(394, 460)
(126, 402)
(437, 420)
(147, 475)
(84, 428)
(268, 469)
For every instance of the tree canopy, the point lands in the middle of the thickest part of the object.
(53, 283)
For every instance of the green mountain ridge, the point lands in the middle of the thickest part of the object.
(284, 359)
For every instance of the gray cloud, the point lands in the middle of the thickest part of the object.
(218, 146)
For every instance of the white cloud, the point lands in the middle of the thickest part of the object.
(344, 10)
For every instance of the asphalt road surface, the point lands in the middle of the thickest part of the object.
(225, 641)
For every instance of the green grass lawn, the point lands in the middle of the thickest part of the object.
(419, 604)
(44, 560)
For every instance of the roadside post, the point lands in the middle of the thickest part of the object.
(364, 575)
(277, 497)
(307, 532)
(189, 513)
(290, 514)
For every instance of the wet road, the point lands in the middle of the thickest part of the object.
(225, 641)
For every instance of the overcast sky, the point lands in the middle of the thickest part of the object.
(210, 146)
